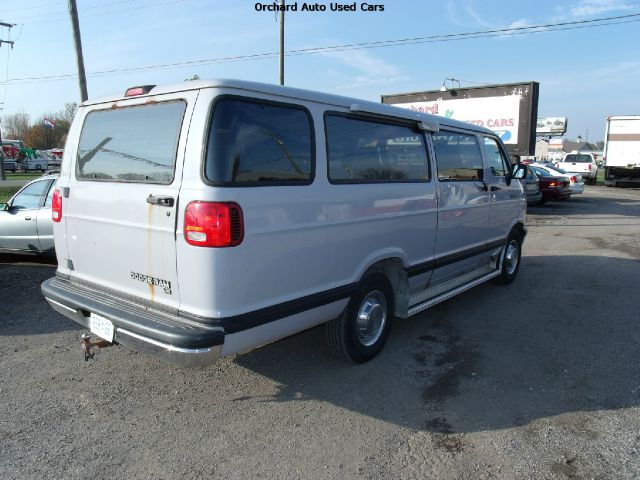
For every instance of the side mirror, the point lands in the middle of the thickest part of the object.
(519, 171)
(4, 207)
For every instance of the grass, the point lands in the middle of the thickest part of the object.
(7, 192)
(23, 176)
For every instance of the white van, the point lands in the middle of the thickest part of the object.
(211, 217)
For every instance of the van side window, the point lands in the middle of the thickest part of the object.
(132, 144)
(498, 165)
(458, 156)
(365, 151)
(258, 143)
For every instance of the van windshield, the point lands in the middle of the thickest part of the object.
(132, 144)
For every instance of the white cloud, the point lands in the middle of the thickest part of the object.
(362, 69)
(479, 20)
(523, 22)
(620, 72)
(589, 8)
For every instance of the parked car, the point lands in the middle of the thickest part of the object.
(25, 220)
(582, 163)
(10, 165)
(552, 186)
(36, 164)
(211, 217)
(53, 161)
(531, 187)
(575, 179)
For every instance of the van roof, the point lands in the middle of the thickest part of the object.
(298, 94)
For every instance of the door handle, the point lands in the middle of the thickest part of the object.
(27, 219)
(494, 188)
(162, 201)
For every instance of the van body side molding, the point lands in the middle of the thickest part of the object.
(426, 267)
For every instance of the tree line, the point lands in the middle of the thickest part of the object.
(37, 135)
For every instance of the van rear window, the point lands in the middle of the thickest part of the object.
(132, 144)
(259, 143)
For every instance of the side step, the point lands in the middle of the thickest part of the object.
(420, 307)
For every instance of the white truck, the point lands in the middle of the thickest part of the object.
(622, 150)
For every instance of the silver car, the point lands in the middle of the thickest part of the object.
(25, 220)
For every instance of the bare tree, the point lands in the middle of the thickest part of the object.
(15, 126)
(67, 113)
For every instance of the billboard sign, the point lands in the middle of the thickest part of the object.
(510, 110)
(551, 126)
(556, 144)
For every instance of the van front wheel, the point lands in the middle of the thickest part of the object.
(361, 331)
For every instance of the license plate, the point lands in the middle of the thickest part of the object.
(101, 327)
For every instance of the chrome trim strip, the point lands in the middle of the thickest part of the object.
(414, 310)
(185, 357)
(53, 302)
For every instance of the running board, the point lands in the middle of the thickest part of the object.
(414, 310)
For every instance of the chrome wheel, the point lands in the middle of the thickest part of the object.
(371, 318)
(511, 257)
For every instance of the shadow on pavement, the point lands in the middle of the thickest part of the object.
(492, 358)
(23, 310)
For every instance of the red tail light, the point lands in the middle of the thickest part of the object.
(213, 224)
(553, 184)
(590, 167)
(574, 179)
(56, 206)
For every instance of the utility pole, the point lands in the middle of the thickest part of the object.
(282, 8)
(3, 175)
(82, 79)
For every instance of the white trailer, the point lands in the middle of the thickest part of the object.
(622, 150)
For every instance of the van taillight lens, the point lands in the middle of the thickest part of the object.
(56, 206)
(574, 179)
(213, 224)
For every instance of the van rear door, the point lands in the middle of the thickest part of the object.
(120, 212)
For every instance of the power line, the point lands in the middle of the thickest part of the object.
(580, 24)
(39, 5)
(152, 5)
(65, 12)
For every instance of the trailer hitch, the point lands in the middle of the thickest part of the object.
(88, 346)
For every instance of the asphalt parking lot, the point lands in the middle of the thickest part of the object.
(539, 379)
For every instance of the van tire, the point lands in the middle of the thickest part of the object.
(511, 258)
(372, 304)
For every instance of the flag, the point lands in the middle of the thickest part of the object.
(48, 123)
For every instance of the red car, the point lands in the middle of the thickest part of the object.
(552, 187)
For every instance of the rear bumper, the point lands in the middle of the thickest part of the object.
(174, 339)
(551, 194)
(533, 197)
(577, 188)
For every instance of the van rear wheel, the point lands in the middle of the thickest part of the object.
(359, 334)
(511, 257)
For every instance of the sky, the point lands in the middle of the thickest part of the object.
(585, 74)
